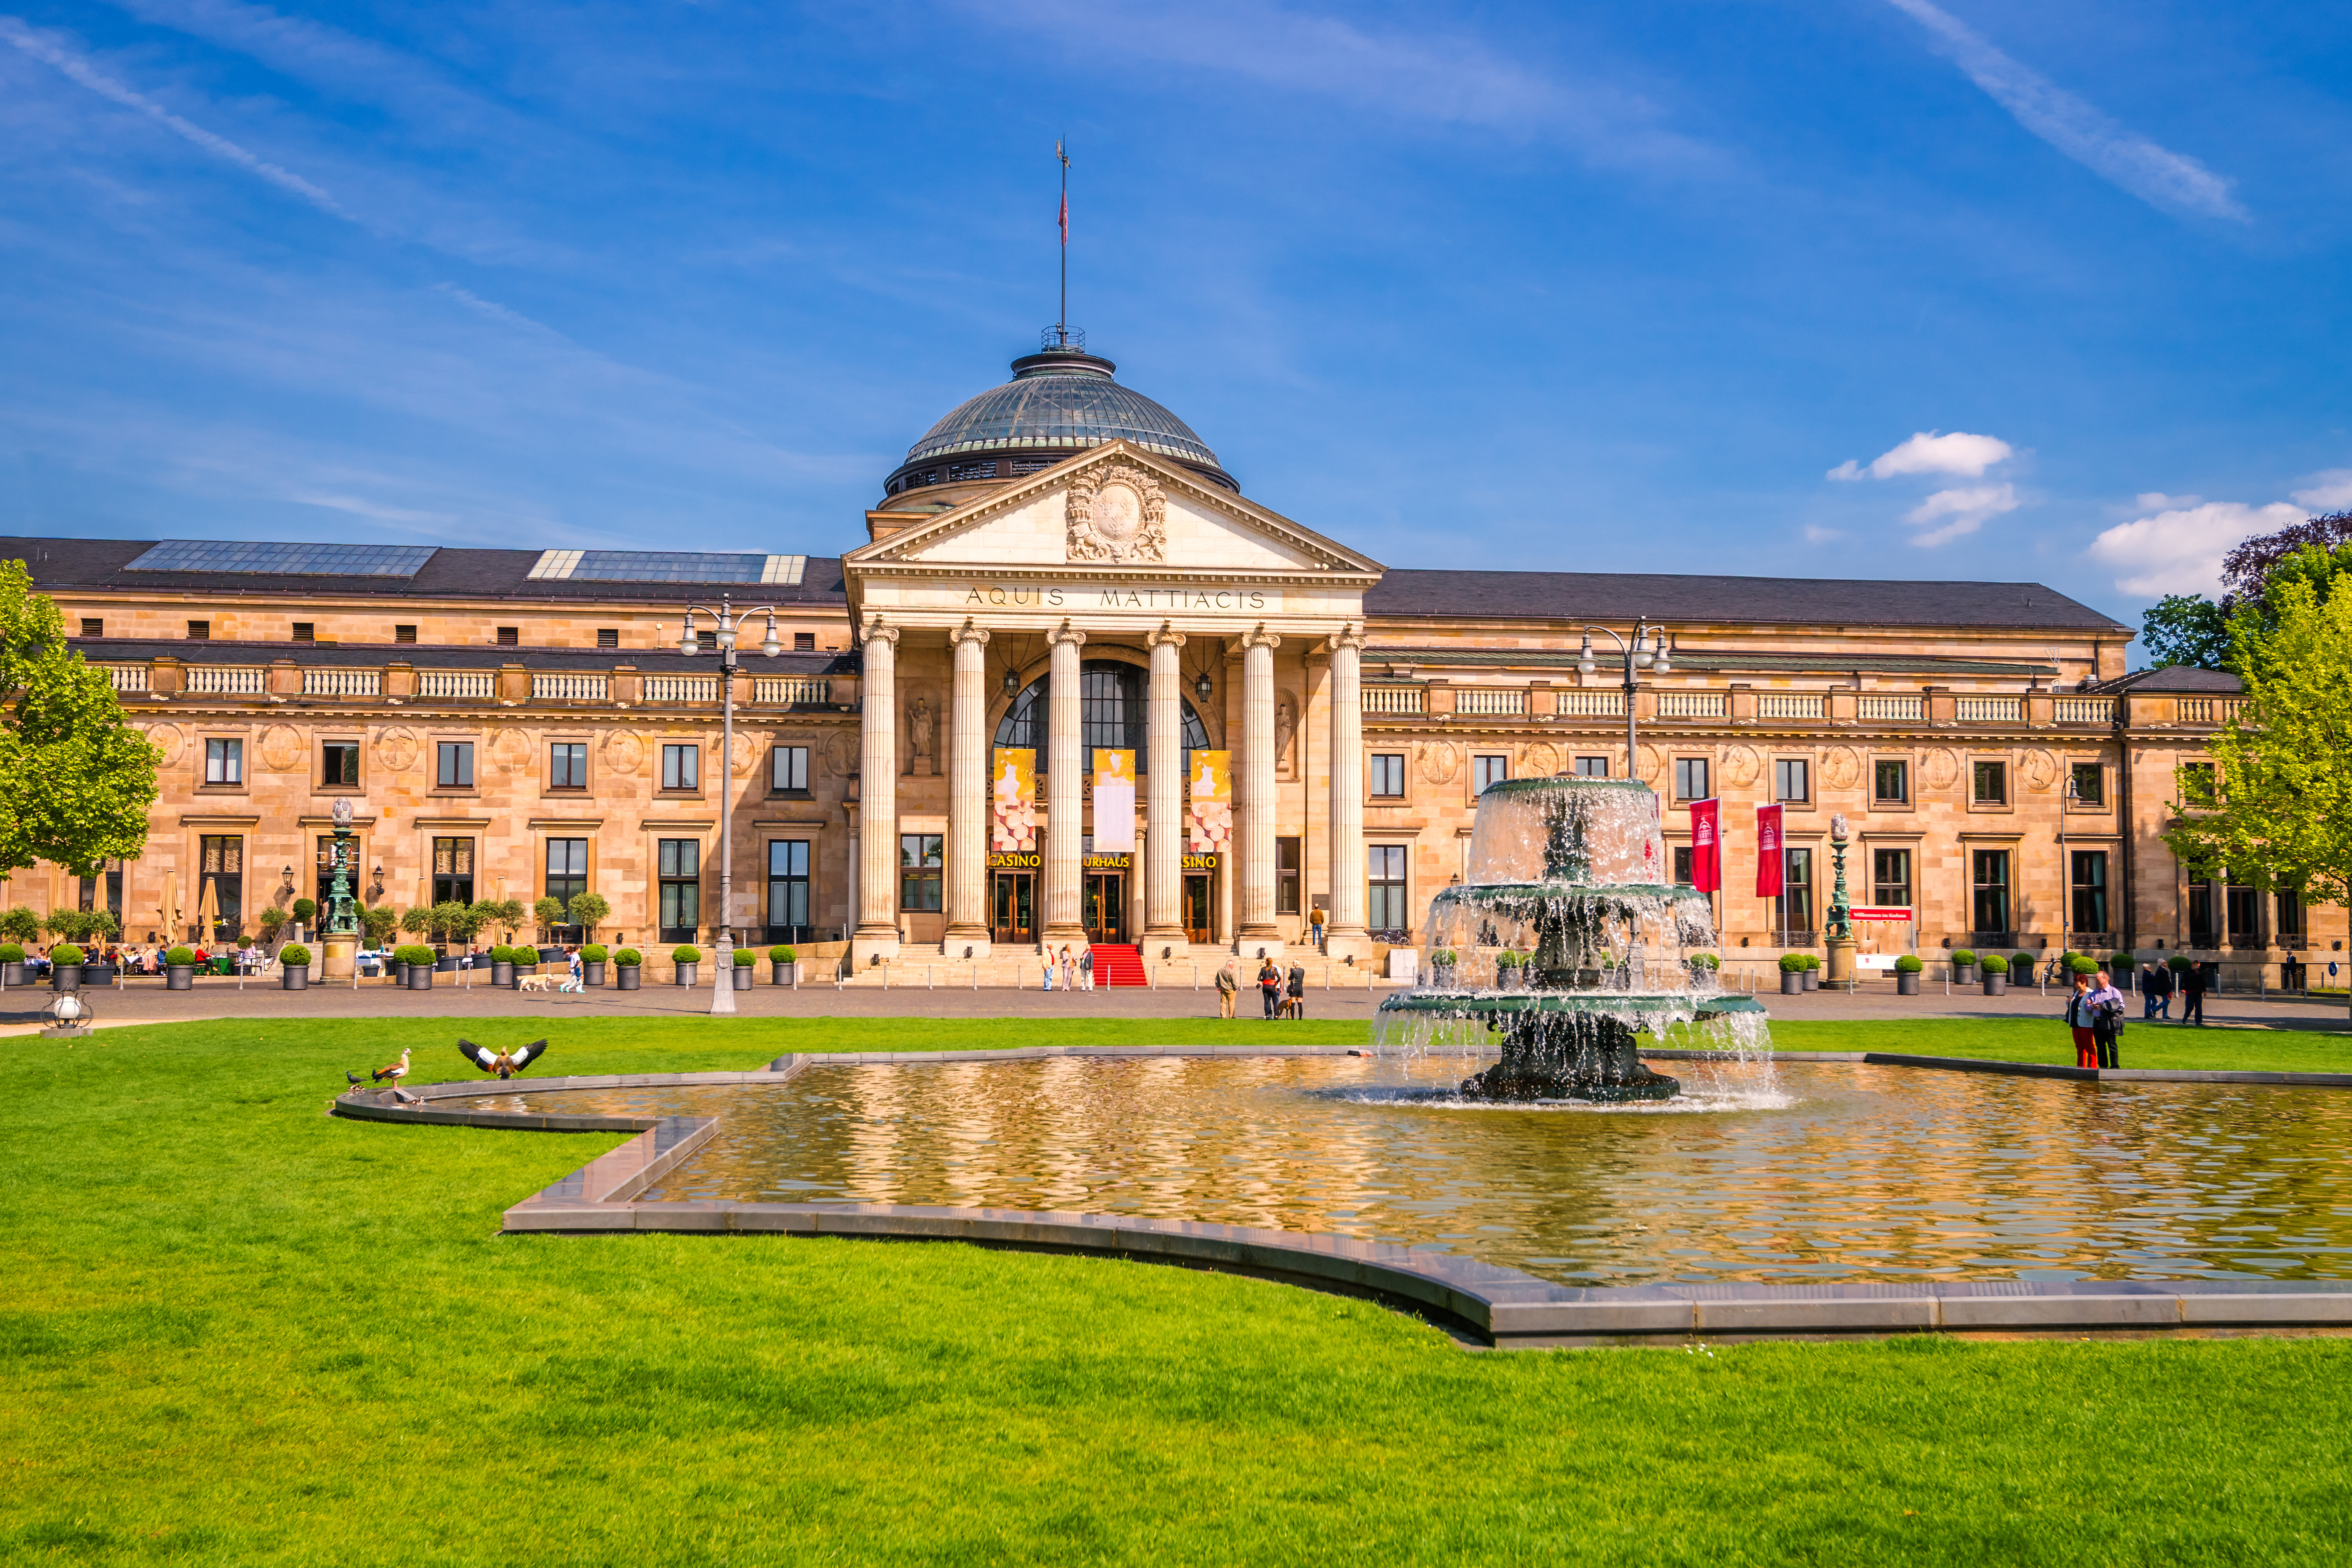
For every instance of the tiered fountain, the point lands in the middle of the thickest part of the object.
(1567, 877)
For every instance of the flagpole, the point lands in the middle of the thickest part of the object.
(1062, 322)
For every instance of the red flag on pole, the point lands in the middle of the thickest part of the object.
(1707, 846)
(1768, 851)
(1065, 218)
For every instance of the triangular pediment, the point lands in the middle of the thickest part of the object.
(1119, 508)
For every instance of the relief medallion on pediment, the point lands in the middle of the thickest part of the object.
(1117, 512)
(281, 748)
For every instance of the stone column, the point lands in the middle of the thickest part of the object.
(1344, 931)
(1259, 928)
(1064, 819)
(878, 896)
(1163, 878)
(968, 796)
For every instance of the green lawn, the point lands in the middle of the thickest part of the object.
(239, 1331)
(2145, 1044)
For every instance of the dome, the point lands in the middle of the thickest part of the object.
(1059, 402)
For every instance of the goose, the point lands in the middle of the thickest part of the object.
(392, 1073)
(506, 1064)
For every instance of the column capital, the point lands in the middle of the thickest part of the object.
(1349, 636)
(1066, 633)
(877, 632)
(1166, 636)
(968, 633)
(1258, 636)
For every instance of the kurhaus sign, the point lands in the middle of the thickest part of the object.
(1154, 598)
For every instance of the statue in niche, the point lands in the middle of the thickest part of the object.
(920, 727)
(1286, 730)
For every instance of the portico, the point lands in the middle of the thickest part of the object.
(1153, 605)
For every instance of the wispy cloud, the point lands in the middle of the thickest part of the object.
(1959, 512)
(2117, 154)
(74, 68)
(2178, 550)
(1932, 452)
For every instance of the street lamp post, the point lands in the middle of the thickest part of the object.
(722, 958)
(2066, 882)
(1640, 655)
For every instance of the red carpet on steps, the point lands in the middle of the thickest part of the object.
(1117, 964)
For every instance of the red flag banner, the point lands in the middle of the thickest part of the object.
(1768, 851)
(1065, 218)
(1706, 845)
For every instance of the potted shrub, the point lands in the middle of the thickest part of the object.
(1704, 968)
(1907, 975)
(1508, 974)
(419, 960)
(521, 959)
(625, 967)
(65, 967)
(305, 911)
(688, 960)
(1792, 973)
(2082, 963)
(1964, 965)
(744, 959)
(589, 910)
(272, 920)
(1441, 968)
(294, 966)
(2120, 970)
(12, 964)
(501, 965)
(781, 961)
(593, 959)
(180, 969)
(1996, 974)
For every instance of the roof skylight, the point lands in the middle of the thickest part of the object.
(274, 558)
(666, 566)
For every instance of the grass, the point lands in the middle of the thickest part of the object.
(2146, 1044)
(235, 1330)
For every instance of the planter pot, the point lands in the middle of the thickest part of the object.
(179, 977)
(685, 972)
(1440, 976)
(501, 973)
(294, 979)
(1963, 973)
(626, 975)
(446, 964)
(780, 973)
(98, 975)
(742, 977)
(1996, 984)
(420, 977)
(1793, 983)
(12, 975)
(1906, 984)
(1812, 980)
(592, 974)
(2123, 982)
(65, 977)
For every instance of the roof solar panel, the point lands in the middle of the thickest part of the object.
(274, 558)
(666, 566)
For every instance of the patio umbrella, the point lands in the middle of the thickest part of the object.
(207, 912)
(168, 911)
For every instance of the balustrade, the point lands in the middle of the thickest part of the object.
(1692, 704)
(127, 676)
(2085, 710)
(1490, 699)
(456, 683)
(681, 689)
(335, 682)
(228, 680)
(567, 686)
(1590, 702)
(1396, 699)
(1878, 709)
(1789, 705)
(791, 690)
(1989, 710)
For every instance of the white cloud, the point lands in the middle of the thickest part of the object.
(1929, 452)
(2180, 550)
(2330, 491)
(2117, 154)
(1816, 535)
(1848, 470)
(2156, 501)
(1966, 510)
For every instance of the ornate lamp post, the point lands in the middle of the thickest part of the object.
(722, 958)
(1642, 655)
(2066, 877)
(1838, 930)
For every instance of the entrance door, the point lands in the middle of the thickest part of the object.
(1106, 908)
(1197, 904)
(1014, 907)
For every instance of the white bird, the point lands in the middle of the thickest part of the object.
(392, 1073)
(506, 1064)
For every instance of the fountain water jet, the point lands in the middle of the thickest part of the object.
(1569, 876)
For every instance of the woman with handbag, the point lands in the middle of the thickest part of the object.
(2105, 1006)
(2080, 1022)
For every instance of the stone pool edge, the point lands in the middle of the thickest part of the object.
(1505, 1307)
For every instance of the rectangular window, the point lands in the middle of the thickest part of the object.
(92, 626)
(403, 634)
(678, 863)
(608, 637)
(223, 761)
(455, 769)
(1891, 781)
(788, 889)
(510, 636)
(199, 631)
(1991, 784)
(2089, 912)
(1388, 775)
(2202, 933)
(1990, 882)
(339, 764)
(804, 642)
(788, 770)
(2290, 914)
(2245, 909)
(305, 631)
(1683, 865)
(1488, 769)
(567, 764)
(223, 873)
(1792, 779)
(567, 870)
(919, 865)
(1286, 900)
(1691, 778)
(707, 641)
(1593, 767)
(1890, 879)
(2091, 789)
(1385, 908)
(453, 871)
(1795, 905)
(2198, 786)
(681, 767)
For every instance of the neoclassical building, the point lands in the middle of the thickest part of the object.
(1062, 569)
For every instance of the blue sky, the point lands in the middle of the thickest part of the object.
(1861, 288)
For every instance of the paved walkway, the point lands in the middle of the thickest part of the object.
(147, 1002)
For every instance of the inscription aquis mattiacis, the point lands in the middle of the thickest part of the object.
(1157, 599)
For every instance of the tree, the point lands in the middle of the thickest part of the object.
(2273, 806)
(504, 913)
(549, 912)
(21, 924)
(2187, 629)
(417, 921)
(381, 923)
(76, 780)
(590, 910)
(2247, 570)
(464, 922)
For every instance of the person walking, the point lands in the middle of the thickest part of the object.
(2147, 972)
(2161, 988)
(2106, 1005)
(2192, 994)
(1269, 984)
(1228, 984)
(1298, 988)
(2079, 1023)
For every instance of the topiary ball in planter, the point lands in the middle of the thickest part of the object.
(294, 967)
(781, 961)
(688, 960)
(1996, 974)
(1907, 975)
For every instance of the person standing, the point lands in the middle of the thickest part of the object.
(2079, 1023)
(1299, 987)
(1269, 984)
(2192, 994)
(1045, 966)
(1228, 984)
(1086, 968)
(1315, 920)
(1069, 970)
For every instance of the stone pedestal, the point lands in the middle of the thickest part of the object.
(1840, 969)
(338, 951)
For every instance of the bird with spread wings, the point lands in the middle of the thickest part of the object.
(505, 1064)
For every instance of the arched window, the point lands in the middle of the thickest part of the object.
(1112, 715)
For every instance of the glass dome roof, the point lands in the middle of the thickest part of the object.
(1063, 398)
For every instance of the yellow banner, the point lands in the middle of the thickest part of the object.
(1209, 819)
(1013, 801)
(1114, 803)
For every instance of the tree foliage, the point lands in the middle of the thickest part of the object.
(2187, 629)
(76, 780)
(2247, 571)
(2273, 806)
(590, 910)
(549, 913)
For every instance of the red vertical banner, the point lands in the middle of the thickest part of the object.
(1706, 845)
(1768, 851)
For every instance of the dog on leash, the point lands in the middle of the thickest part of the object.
(536, 982)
